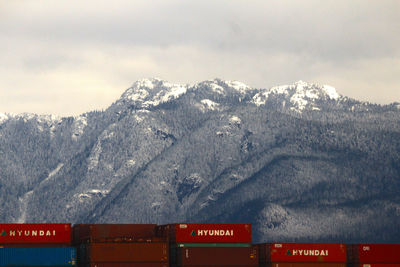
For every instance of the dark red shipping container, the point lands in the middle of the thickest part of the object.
(307, 264)
(206, 233)
(125, 252)
(26, 233)
(128, 264)
(209, 256)
(33, 245)
(378, 265)
(264, 254)
(376, 253)
(306, 252)
(112, 232)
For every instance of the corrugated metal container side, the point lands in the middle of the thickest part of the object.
(112, 232)
(20, 233)
(206, 233)
(229, 245)
(45, 256)
(208, 265)
(377, 253)
(307, 252)
(166, 231)
(124, 252)
(264, 254)
(307, 264)
(128, 264)
(217, 256)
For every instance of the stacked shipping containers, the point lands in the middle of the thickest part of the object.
(374, 255)
(175, 245)
(36, 245)
(109, 245)
(198, 245)
(302, 255)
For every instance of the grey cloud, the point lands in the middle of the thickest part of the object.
(263, 43)
(326, 29)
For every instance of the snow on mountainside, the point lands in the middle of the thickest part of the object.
(299, 96)
(152, 92)
(299, 162)
(3, 117)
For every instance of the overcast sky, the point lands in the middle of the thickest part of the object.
(68, 57)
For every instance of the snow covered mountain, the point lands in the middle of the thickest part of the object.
(299, 96)
(299, 162)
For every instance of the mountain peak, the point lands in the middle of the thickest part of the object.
(152, 92)
(300, 95)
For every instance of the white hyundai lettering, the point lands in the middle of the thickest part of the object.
(21, 233)
(215, 232)
(309, 252)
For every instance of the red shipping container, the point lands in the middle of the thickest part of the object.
(112, 232)
(302, 264)
(33, 245)
(206, 233)
(125, 252)
(217, 256)
(307, 252)
(377, 253)
(24, 233)
(128, 264)
(379, 265)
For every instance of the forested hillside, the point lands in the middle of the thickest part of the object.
(300, 162)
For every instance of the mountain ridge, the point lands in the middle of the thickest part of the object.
(300, 162)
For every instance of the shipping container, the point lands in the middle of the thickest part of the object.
(38, 256)
(374, 253)
(112, 232)
(208, 265)
(182, 245)
(303, 252)
(55, 233)
(307, 264)
(264, 254)
(127, 264)
(378, 265)
(208, 256)
(35, 245)
(124, 252)
(206, 233)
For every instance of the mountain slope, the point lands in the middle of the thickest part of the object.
(300, 162)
